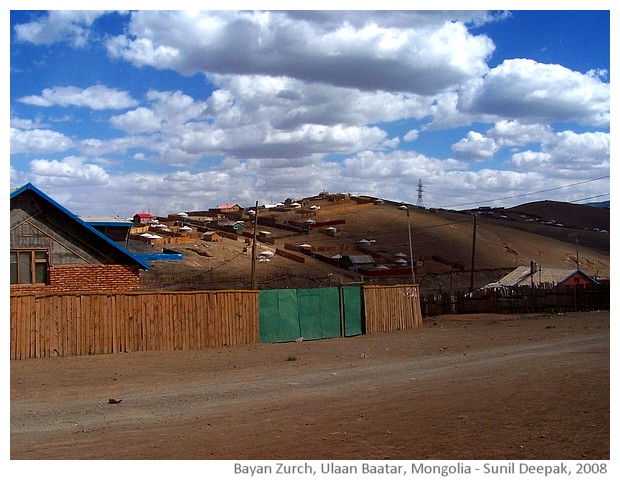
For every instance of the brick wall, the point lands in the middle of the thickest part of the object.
(71, 278)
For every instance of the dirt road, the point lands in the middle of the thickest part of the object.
(461, 387)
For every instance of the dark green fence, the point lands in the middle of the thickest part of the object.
(310, 313)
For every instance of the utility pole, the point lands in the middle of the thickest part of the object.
(473, 254)
(577, 251)
(253, 280)
(410, 247)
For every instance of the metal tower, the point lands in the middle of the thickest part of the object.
(420, 191)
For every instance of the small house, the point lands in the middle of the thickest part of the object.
(355, 262)
(536, 275)
(142, 218)
(53, 250)
(211, 236)
(229, 208)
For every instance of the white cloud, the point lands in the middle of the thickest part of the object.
(411, 135)
(569, 155)
(475, 147)
(38, 141)
(509, 133)
(410, 57)
(59, 26)
(97, 97)
(67, 172)
(531, 91)
(139, 120)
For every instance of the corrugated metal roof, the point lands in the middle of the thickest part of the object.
(357, 259)
(524, 276)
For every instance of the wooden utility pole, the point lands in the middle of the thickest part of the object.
(253, 279)
(473, 255)
(410, 247)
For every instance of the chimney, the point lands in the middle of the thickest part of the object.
(533, 267)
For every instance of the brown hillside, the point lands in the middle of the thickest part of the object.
(568, 214)
(441, 240)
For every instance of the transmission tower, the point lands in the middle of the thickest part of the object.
(420, 192)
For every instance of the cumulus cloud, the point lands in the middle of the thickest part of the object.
(292, 103)
(475, 147)
(368, 56)
(67, 172)
(411, 135)
(136, 121)
(38, 141)
(58, 26)
(569, 155)
(536, 92)
(509, 133)
(97, 97)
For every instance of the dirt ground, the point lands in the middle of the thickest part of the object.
(463, 387)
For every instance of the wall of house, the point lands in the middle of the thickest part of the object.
(89, 278)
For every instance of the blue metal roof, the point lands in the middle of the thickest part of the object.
(77, 219)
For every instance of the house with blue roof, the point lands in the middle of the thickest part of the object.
(53, 250)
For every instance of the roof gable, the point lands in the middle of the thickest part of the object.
(45, 205)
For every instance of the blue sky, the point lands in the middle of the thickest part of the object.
(112, 113)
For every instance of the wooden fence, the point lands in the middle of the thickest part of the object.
(390, 308)
(94, 323)
(524, 299)
(88, 323)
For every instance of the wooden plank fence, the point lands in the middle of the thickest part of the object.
(390, 308)
(88, 323)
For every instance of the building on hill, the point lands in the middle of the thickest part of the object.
(142, 218)
(53, 250)
(229, 208)
(537, 276)
(355, 262)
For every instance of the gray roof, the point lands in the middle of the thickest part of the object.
(361, 259)
(524, 276)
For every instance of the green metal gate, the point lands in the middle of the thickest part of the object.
(309, 313)
(353, 306)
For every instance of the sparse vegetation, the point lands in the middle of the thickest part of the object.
(441, 242)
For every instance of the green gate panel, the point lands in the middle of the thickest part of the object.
(319, 312)
(278, 319)
(352, 309)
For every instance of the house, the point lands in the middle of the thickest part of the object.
(355, 262)
(211, 236)
(229, 208)
(536, 275)
(142, 218)
(53, 250)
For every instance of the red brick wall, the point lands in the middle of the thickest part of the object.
(71, 278)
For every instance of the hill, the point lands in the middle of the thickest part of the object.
(587, 217)
(306, 238)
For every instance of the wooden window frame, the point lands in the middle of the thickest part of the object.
(34, 261)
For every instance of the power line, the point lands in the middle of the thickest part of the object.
(590, 198)
(526, 194)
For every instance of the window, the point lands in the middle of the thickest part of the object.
(28, 266)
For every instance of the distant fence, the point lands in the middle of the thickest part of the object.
(94, 323)
(524, 299)
(88, 323)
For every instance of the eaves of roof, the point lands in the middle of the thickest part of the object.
(77, 219)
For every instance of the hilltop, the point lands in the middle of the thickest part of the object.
(306, 237)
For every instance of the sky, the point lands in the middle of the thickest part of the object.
(119, 112)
